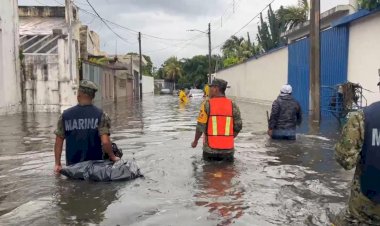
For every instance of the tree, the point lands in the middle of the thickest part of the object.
(369, 4)
(237, 49)
(172, 69)
(269, 32)
(148, 68)
(292, 16)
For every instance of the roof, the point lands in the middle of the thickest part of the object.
(354, 17)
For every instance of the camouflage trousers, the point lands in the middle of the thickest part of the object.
(361, 211)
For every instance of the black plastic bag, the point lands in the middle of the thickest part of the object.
(103, 170)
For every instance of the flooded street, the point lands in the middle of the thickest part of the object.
(270, 183)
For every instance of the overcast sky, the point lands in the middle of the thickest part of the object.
(170, 19)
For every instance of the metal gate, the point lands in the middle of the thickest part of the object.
(334, 62)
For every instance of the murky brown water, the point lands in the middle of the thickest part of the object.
(270, 183)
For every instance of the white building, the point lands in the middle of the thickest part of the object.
(10, 84)
(49, 86)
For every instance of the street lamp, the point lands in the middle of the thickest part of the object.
(209, 49)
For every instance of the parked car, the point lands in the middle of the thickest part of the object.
(166, 91)
(196, 93)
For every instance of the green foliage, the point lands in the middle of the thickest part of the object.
(230, 61)
(148, 69)
(369, 4)
(189, 72)
(292, 16)
(100, 61)
(236, 50)
(172, 69)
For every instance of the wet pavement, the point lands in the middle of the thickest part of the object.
(269, 183)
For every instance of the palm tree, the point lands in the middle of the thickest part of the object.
(292, 16)
(232, 46)
(172, 69)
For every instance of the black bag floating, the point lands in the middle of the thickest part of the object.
(104, 170)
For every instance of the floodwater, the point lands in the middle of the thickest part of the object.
(270, 183)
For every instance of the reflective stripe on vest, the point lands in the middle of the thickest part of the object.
(220, 124)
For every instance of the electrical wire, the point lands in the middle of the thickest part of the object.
(109, 27)
(249, 22)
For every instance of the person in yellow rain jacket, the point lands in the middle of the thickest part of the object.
(182, 96)
(206, 90)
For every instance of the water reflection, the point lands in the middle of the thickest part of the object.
(81, 202)
(217, 191)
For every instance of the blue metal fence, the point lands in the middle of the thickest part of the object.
(298, 71)
(334, 62)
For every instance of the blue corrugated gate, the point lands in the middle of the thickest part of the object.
(334, 62)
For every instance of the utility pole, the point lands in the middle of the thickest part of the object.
(68, 7)
(140, 69)
(315, 61)
(209, 53)
(209, 49)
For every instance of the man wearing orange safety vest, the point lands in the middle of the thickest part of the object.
(220, 122)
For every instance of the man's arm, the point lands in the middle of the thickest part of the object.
(238, 122)
(348, 148)
(201, 124)
(274, 115)
(58, 153)
(104, 132)
(58, 146)
(107, 147)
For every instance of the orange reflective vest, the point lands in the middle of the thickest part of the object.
(220, 126)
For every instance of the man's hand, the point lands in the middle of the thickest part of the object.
(57, 169)
(270, 132)
(114, 158)
(194, 144)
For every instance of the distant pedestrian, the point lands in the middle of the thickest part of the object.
(220, 122)
(286, 114)
(182, 96)
(85, 128)
(359, 146)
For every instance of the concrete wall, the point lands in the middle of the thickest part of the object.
(48, 86)
(10, 101)
(259, 79)
(108, 92)
(148, 84)
(42, 83)
(364, 55)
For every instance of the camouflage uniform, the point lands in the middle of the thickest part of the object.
(361, 210)
(202, 125)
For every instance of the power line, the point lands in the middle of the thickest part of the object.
(135, 31)
(109, 27)
(250, 21)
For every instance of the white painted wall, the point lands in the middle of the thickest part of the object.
(10, 101)
(259, 79)
(42, 85)
(148, 84)
(48, 87)
(364, 55)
